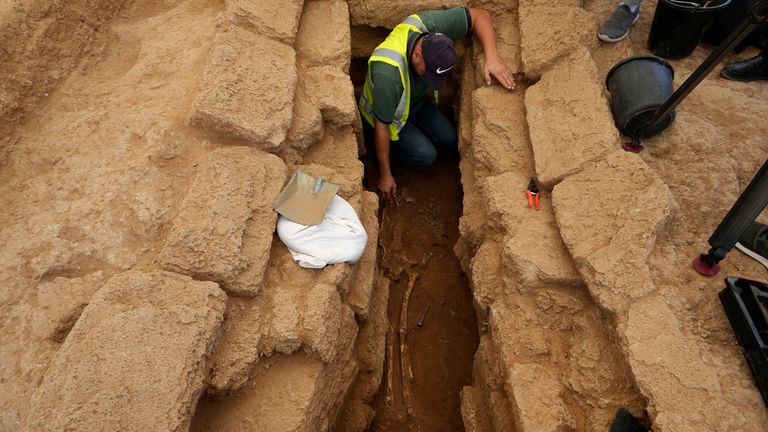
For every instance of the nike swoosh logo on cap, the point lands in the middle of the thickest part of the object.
(439, 71)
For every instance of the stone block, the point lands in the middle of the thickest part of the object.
(297, 309)
(497, 7)
(499, 134)
(517, 331)
(284, 271)
(60, 303)
(321, 321)
(559, 302)
(330, 90)
(369, 349)
(324, 34)
(609, 216)
(667, 363)
(472, 221)
(324, 91)
(388, 13)
(307, 122)
(535, 254)
(570, 121)
(286, 393)
(597, 372)
(515, 340)
(493, 411)
(248, 89)
(505, 201)
(275, 19)
(521, 349)
(486, 274)
(365, 270)
(467, 87)
(239, 346)
(469, 409)
(276, 399)
(226, 223)
(135, 360)
(277, 321)
(549, 32)
(337, 150)
(593, 369)
(537, 390)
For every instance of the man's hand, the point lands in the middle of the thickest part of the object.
(387, 184)
(388, 187)
(495, 67)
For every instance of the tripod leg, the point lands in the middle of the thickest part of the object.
(746, 209)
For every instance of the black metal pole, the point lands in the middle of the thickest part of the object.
(744, 211)
(745, 27)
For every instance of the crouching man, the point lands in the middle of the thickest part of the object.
(416, 56)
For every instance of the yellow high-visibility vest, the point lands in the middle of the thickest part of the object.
(393, 51)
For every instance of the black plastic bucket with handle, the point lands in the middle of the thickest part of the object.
(678, 25)
(639, 86)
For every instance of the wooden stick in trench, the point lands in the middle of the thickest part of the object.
(390, 361)
(405, 363)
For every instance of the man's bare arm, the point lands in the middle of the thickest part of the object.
(387, 184)
(494, 66)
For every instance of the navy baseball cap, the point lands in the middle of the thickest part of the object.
(439, 58)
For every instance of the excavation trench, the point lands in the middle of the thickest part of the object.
(433, 332)
(429, 353)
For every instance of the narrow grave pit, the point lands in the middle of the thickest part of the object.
(433, 333)
(436, 349)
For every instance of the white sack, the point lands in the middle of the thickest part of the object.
(339, 238)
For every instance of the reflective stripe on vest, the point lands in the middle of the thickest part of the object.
(392, 51)
(415, 21)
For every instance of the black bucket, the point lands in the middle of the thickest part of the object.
(639, 86)
(678, 25)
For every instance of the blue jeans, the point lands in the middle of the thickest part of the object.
(426, 131)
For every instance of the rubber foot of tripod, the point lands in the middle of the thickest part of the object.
(704, 269)
(631, 147)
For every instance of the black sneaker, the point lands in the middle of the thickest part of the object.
(616, 27)
(753, 69)
(754, 243)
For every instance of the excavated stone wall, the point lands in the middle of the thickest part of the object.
(545, 345)
(590, 303)
(144, 286)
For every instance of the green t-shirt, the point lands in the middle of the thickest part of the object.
(387, 87)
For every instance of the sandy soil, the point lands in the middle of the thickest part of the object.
(92, 177)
